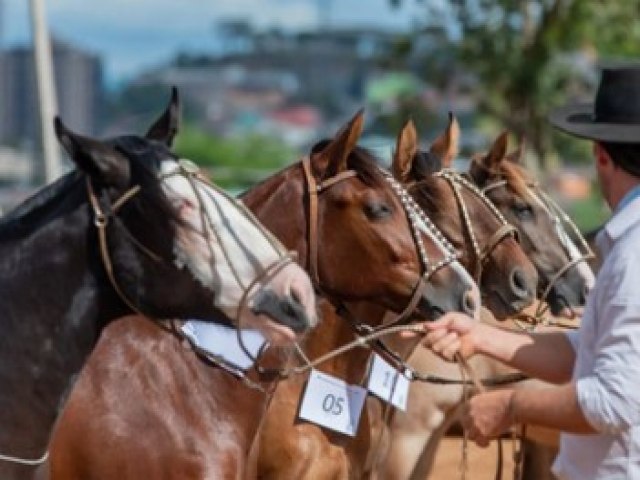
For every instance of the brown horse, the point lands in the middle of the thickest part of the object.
(433, 408)
(202, 423)
(291, 448)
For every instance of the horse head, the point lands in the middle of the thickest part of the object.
(372, 242)
(489, 249)
(175, 246)
(549, 238)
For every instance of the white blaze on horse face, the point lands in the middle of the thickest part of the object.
(569, 246)
(226, 251)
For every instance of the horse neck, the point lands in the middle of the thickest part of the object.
(279, 203)
(332, 333)
(50, 321)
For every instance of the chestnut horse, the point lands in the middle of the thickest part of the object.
(416, 433)
(291, 448)
(120, 233)
(202, 423)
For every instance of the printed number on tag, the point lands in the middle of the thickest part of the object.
(387, 383)
(332, 403)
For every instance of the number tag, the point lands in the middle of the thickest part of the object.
(222, 341)
(387, 383)
(332, 403)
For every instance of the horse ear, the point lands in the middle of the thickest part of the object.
(406, 149)
(497, 152)
(94, 158)
(445, 147)
(336, 153)
(165, 128)
(482, 165)
(517, 156)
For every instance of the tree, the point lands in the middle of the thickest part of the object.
(528, 56)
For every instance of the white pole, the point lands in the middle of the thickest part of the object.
(46, 90)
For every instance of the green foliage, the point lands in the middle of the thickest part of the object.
(590, 213)
(528, 56)
(234, 163)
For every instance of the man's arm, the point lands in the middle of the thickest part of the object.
(548, 356)
(490, 414)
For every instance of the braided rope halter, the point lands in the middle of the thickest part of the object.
(456, 181)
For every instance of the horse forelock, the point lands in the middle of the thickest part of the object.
(516, 177)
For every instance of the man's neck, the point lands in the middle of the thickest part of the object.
(623, 184)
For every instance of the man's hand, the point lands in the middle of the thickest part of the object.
(488, 415)
(452, 333)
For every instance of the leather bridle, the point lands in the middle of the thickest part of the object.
(415, 216)
(481, 254)
(192, 174)
(562, 223)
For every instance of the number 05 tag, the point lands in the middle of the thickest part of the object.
(332, 403)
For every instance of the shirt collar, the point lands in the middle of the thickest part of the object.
(626, 215)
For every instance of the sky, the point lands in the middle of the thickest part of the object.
(132, 35)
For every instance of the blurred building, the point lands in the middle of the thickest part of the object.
(79, 86)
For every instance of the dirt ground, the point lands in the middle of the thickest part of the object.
(481, 461)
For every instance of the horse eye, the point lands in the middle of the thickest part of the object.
(523, 210)
(377, 210)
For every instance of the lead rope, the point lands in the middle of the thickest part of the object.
(25, 461)
(466, 370)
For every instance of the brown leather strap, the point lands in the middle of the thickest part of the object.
(315, 189)
(503, 232)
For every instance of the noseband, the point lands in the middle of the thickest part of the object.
(191, 173)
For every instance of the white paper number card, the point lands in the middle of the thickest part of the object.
(387, 383)
(332, 403)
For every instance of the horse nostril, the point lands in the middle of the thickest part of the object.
(519, 283)
(585, 294)
(469, 303)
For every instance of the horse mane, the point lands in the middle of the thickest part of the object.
(517, 178)
(67, 192)
(39, 207)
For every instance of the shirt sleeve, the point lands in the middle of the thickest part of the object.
(610, 396)
(574, 338)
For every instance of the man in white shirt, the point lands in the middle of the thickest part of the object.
(596, 399)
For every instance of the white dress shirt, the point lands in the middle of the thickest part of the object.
(607, 368)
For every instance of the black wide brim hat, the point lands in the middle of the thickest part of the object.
(615, 114)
